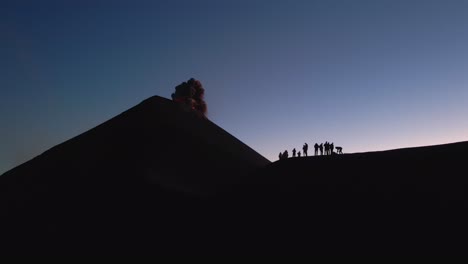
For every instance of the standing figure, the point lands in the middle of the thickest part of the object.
(280, 156)
(331, 148)
(294, 152)
(299, 154)
(316, 147)
(321, 149)
(305, 148)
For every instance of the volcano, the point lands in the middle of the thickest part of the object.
(155, 148)
(161, 179)
(157, 141)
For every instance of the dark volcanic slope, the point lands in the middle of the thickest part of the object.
(157, 179)
(155, 141)
(96, 187)
(432, 169)
(405, 201)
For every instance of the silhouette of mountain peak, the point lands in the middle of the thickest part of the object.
(156, 142)
(160, 178)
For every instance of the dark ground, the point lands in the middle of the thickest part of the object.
(123, 188)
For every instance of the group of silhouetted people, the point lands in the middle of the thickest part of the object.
(325, 149)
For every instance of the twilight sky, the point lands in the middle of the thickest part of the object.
(367, 75)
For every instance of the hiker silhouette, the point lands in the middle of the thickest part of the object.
(316, 147)
(294, 152)
(321, 149)
(339, 150)
(299, 154)
(305, 148)
(280, 156)
(331, 148)
(285, 154)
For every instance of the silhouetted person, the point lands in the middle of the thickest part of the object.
(280, 156)
(327, 147)
(285, 154)
(305, 148)
(321, 149)
(316, 147)
(299, 154)
(339, 150)
(294, 152)
(331, 148)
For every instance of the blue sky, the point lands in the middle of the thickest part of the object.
(366, 75)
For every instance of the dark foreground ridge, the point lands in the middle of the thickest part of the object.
(158, 179)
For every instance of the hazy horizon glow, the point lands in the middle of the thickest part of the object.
(366, 75)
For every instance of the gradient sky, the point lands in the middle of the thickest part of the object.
(367, 75)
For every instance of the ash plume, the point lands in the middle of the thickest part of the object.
(191, 93)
